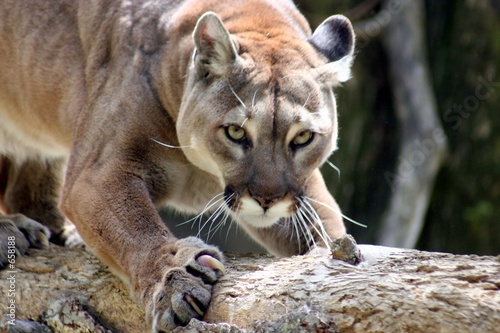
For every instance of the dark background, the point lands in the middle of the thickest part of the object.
(461, 48)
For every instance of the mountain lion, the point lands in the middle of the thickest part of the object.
(110, 109)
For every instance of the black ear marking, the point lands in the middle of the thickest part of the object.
(334, 38)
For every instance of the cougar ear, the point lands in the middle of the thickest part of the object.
(334, 73)
(215, 50)
(334, 38)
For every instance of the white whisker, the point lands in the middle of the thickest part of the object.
(241, 111)
(212, 231)
(288, 221)
(253, 98)
(229, 229)
(219, 225)
(305, 229)
(334, 167)
(295, 226)
(207, 207)
(307, 100)
(315, 218)
(211, 219)
(237, 97)
(214, 216)
(233, 220)
(337, 211)
(227, 215)
(243, 123)
(308, 218)
(222, 221)
(170, 146)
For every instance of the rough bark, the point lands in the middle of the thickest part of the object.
(69, 290)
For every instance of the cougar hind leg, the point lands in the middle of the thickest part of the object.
(17, 232)
(32, 188)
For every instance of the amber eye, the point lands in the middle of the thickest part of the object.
(303, 139)
(236, 133)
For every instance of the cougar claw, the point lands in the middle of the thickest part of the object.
(42, 238)
(191, 300)
(209, 261)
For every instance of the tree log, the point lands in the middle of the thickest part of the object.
(393, 290)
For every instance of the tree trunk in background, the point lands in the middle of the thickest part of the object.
(423, 142)
(462, 39)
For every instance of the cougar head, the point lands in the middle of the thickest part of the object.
(259, 112)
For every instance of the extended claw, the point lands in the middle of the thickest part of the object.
(42, 239)
(209, 261)
(192, 301)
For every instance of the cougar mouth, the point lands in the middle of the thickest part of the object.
(258, 211)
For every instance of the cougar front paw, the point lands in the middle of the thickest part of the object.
(68, 236)
(18, 232)
(186, 290)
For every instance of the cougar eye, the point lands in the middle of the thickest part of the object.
(236, 133)
(303, 139)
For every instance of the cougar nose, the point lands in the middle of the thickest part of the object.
(266, 203)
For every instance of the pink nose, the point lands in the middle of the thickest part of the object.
(266, 203)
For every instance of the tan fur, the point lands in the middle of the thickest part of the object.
(97, 84)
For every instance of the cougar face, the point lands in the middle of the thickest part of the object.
(264, 116)
(266, 144)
